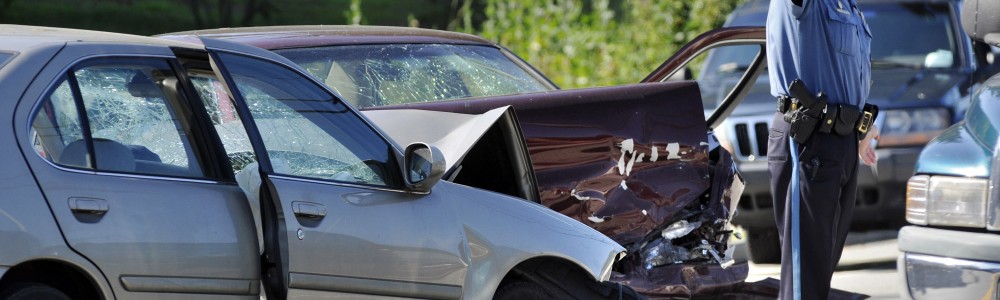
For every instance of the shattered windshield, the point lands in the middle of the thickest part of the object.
(376, 75)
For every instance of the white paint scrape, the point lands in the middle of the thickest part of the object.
(653, 156)
(673, 149)
(628, 146)
(595, 219)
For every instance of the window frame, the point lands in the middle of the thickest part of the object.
(393, 177)
(181, 107)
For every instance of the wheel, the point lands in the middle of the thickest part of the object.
(31, 291)
(763, 245)
(520, 289)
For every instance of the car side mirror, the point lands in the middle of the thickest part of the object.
(682, 74)
(939, 59)
(423, 167)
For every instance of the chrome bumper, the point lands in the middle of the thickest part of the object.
(946, 264)
(935, 277)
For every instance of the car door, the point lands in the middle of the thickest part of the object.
(332, 191)
(112, 142)
(725, 84)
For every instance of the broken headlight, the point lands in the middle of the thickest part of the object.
(677, 245)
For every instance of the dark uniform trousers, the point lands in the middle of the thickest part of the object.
(828, 165)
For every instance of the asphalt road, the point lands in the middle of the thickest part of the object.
(868, 265)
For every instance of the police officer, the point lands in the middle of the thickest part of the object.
(825, 45)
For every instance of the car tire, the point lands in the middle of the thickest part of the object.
(32, 291)
(520, 289)
(763, 245)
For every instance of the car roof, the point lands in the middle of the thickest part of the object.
(283, 37)
(23, 38)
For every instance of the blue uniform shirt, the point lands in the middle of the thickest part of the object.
(826, 43)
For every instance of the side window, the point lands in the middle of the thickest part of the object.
(225, 119)
(119, 115)
(721, 68)
(307, 132)
(744, 133)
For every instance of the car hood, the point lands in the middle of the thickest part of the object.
(902, 87)
(472, 144)
(454, 134)
(892, 88)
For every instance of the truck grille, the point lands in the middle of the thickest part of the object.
(749, 137)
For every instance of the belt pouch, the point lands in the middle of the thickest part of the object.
(829, 119)
(847, 120)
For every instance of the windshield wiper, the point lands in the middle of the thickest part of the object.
(894, 64)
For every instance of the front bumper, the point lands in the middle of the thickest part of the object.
(880, 199)
(948, 264)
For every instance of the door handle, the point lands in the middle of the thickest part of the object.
(88, 205)
(308, 209)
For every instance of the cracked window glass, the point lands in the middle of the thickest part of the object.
(132, 109)
(308, 132)
(222, 111)
(56, 124)
(376, 75)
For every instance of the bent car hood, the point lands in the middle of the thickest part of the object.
(454, 134)
(621, 159)
(492, 137)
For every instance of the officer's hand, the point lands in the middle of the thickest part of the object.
(865, 149)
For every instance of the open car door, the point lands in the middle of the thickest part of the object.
(335, 215)
(725, 84)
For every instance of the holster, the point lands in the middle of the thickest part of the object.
(804, 112)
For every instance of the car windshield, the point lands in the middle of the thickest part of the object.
(905, 35)
(911, 35)
(376, 75)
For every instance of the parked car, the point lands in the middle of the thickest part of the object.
(638, 163)
(952, 248)
(923, 71)
(130, 162)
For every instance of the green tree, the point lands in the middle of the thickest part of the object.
(580, 43)
(228, 13)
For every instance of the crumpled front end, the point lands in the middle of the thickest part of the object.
(688, 255)
(635, 163)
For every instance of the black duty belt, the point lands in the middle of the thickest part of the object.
(807, 114)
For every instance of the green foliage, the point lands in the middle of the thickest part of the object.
(577, 43)
(580, 43)
(149, 17)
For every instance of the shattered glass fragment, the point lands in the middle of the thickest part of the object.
(679, 229)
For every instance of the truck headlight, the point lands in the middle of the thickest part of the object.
(946, 201)
(906, 127)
